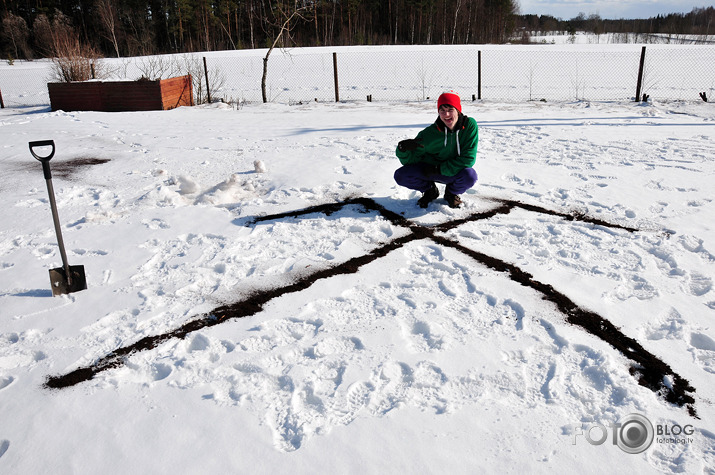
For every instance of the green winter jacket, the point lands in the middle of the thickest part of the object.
(451, 151)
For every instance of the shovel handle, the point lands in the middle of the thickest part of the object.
(45, 160)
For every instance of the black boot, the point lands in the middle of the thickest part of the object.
(454, 201)
(428, 196)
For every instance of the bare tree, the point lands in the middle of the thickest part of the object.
(158, 67)
(50, 35)
(140, 40)
(456, 17)
(72, 60)
(42, 34)
(249, 7)
(109, 18)
(14, 28)
(285, 28)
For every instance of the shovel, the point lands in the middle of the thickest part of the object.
(65, 279)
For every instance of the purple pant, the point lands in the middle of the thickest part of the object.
(417, 177)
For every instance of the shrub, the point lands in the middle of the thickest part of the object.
(71, 59)
(76, 62)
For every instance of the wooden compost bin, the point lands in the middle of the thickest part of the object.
(117, 96)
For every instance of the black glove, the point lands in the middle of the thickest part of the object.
(409, 145)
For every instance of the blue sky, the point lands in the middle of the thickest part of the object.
(609, 9)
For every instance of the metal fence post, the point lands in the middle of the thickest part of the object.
(479, 74)
(335, 74)
(640, 75)
(206, 72)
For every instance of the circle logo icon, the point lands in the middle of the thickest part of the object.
(635, 434)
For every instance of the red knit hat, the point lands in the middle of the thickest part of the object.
(450, 99)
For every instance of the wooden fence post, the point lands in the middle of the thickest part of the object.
(2, 104)
(335, 74)
(479, 74)
(206, 72)
(640, 75)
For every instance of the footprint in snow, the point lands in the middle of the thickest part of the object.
(549, 387)
(518, 311)
(358, 395)
(702, 342)
(159, 371)
(356, 398)
(10, 338)
(6, 381)
(199, 343)
(704, 351)
(4, 445)
(424, 332)
(334, 345)
(394, 380)
(155, 224)
(447, 290)
(699, 284)
(695, 245)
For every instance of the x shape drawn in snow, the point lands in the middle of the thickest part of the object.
(648, 369)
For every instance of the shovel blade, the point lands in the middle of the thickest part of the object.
(61, 284)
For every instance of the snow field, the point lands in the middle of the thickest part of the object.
(423, 360)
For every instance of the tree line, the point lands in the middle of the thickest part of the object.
(144, 27)
(700, 21)
(40, 28)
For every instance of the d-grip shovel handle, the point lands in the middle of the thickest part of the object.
(46, 159)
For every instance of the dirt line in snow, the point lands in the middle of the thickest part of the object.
(648, 369)
(506, 206)
(245, 308)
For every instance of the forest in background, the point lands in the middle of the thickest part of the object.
(700, 21)
(120, 28)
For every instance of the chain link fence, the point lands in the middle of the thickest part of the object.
(399, 74)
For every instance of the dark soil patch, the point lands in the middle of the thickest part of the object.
(65, 169)
(68, 168)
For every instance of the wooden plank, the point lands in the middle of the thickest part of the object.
(116, 96)
(176, 92)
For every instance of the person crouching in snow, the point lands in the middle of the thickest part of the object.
(444, 153)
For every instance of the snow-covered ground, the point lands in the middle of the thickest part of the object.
(422, 360)
(588, 38)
